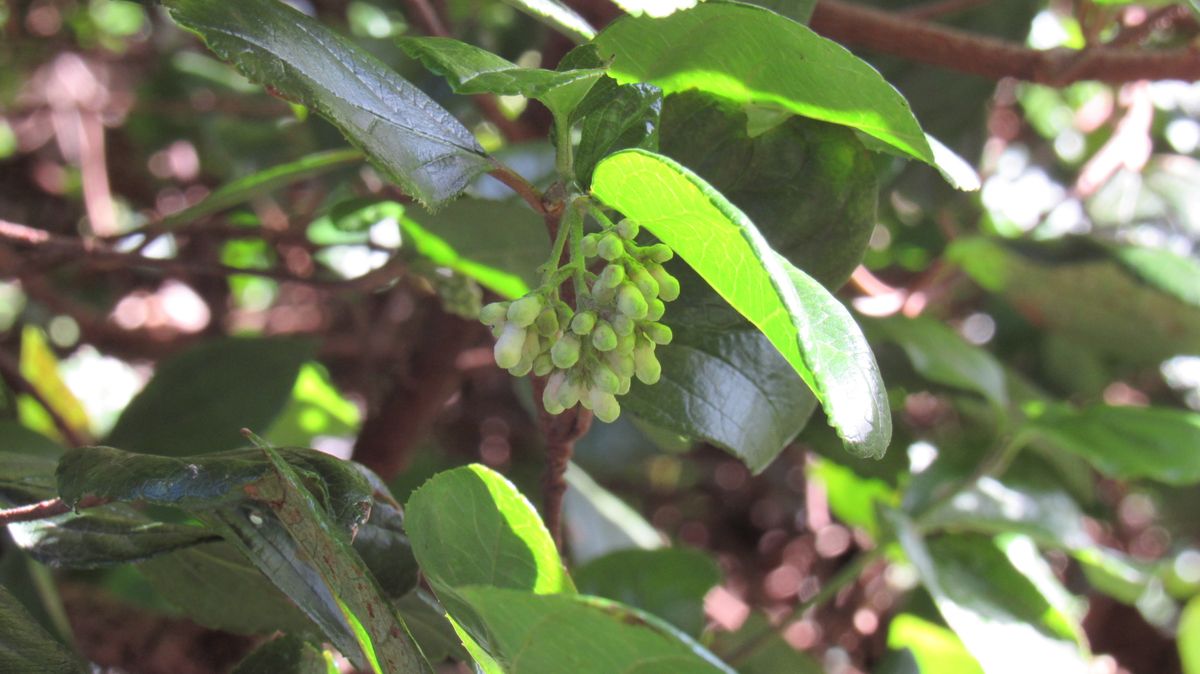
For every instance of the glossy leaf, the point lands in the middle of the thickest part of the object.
(941, 355)
(420, 145)
(557, 16)
(1128, 442)
(752, 55)
(295, 542)
(471, 70)
(628, 117)
(670, 582)
(287, 655)
(26, 647)
(470, 526)
(1000, 615)
(199, 399)
(809, 187)
(1080, 291)
(812, 330)
(598, 522)
(263, 182)
(103, 537)
(531, 633)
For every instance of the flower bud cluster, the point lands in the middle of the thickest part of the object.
(591, 354)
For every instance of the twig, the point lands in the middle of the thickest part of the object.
(46, 509)
(522, 187)
(939, 8)
(11, 372)
(988, 57)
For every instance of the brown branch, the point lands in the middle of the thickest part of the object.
(939, 8)
(953, 49)
(47, 509)
(10, 370)
(522, 187)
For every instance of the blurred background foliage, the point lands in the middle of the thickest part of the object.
(1075, 267)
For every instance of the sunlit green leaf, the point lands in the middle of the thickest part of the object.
(1189, 637)
(39, 366)
(936, 649)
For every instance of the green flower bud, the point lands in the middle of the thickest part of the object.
(605, 379)
(621, 363)
(524, 311)
(583, 322)
(604, 405)
(547, 322)
(569, 392)
(668, 286)
(588, 244)
(630, 301)
(509, 346)
(552, 394)
(610, 247)
(656, 309)
(522, 368)
(563, 312)
(565, 351)
(494, 314)
(626, 383)
(543, 365)
(612, 276)
(532, 347)
(646, 365)
(660, 253)
(628, 229)
(604, 338)
(626, 343)
(645, 283)
(657, 333)
(623, 325)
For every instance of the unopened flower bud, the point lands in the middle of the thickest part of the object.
(565, 351)
(509, 346)
(610, 247)
(657, 333)
(583, 322)
(655, 309)
(646, 365)
(604, 405)
(604, 338)
(628, 229)
(660, 253)
(547, 322)
(524, 311)
(605, 379)
(494, 314)
(631, 301)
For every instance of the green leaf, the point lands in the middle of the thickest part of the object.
(293, 539)
(812, 330)
(384, 547)
(402, 131)
(471, 70)
(531, 634)
(752, 55)
(470, 526)
(1000, 615)
(1188, 637)
(26, 647)
(316, 408)
(670, 583)
(199, 399)
(654, 8)
(1128, 442)
(103, 537)
(26, 478)
(940, 355)
(1174, 274)
(430, 626)
(853, 499)
(597, 522)
(627, 118)
(39, 366)
(498, 243)
(936, 649)
(557, 16)
(770, 657)
(1081, 291)
(21, 440)
(724, 382)
(809, 187)
(205, 580)
(287, 655)
(263, 182)
(1046, 513)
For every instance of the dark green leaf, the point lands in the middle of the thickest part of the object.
(27, 648)
(103, 537)
(206, 580)
(385, 549)
(1128, 442)
(627, 118)
(287, 655)
(430, 627)
(471, 70)
(1080, 291)
(470, 526)
(34, 585)
(401, 130)
(941, 355)
(752, 55)
(1171, 273)
(532, 634)
(813, 331)
(670, 582)
(20, 440)
(808, 186)
(26, 478)
(263, 182)
(295, 542)
(199, 399)
(1001, 616)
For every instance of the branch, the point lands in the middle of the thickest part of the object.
(953, 49)
(46, 509)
